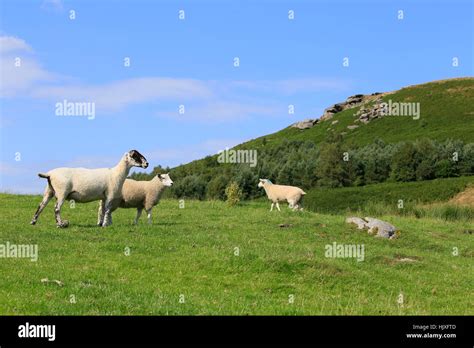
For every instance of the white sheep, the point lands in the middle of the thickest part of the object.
(144, 194)
(277, 193)
(87, 185)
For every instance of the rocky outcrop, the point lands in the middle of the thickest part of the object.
(351, 102)
(368, 113)
(375, 227)
(305, 123)
(364, 115)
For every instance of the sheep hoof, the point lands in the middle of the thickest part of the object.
(63, 224)
(33, 222)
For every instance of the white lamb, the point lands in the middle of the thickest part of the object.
(277, 193)
(144, 194)
(87, 185)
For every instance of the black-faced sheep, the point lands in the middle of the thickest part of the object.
(86, 185)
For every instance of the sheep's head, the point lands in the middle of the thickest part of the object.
(165, 179)
(262, 182)
(136, 159)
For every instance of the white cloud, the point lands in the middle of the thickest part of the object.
(294, 86)
(19, 71)
(204, 100)
(10, 44)
(183, 154)
(116, 96)
(54, 5)
(223, 111)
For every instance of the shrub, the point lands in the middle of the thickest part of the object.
(233, 193)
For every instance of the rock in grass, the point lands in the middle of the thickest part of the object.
(361, 223)
(381, 228)
(374, 226)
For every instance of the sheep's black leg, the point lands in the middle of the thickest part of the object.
(139, 213)
(101, 213)
(48, 194)
(57, 212)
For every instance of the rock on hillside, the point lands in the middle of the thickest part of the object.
(305, 123)
(351, 102)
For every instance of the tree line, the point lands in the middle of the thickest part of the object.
(329, 164)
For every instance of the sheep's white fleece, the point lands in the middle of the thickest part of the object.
(86, 185)
(278, 193)
(144, 194)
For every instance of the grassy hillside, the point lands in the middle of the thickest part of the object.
(353, 199)
(446, 113)
(391, 148)
(192, 252)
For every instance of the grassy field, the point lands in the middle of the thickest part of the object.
(187, 263)
(385, 195)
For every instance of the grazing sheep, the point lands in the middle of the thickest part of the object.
(144, 194)
(277, 193)
(87, 185)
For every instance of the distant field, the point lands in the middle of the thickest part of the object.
(190, 255)
(361, 198)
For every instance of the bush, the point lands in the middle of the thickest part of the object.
(233, 193)
(216, 187)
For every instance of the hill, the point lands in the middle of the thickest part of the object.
(420, 132)
(446, 112)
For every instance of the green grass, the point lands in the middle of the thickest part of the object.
(384, 196)
(190, 251)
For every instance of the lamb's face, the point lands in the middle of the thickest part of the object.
(165, 179)
(261, 182)
(136, 159)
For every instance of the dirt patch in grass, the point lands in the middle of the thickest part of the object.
(464, 198)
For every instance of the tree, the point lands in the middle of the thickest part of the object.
(330, 169)
(216, 187)
(404, 163)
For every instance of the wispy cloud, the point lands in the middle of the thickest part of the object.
(52, 5)
(18, 68)
(117, 95)
(9, 44)
(223, 111)
(294, 86)
(204, 100)
(176, 155)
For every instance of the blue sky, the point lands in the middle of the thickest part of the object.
(190, 62)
